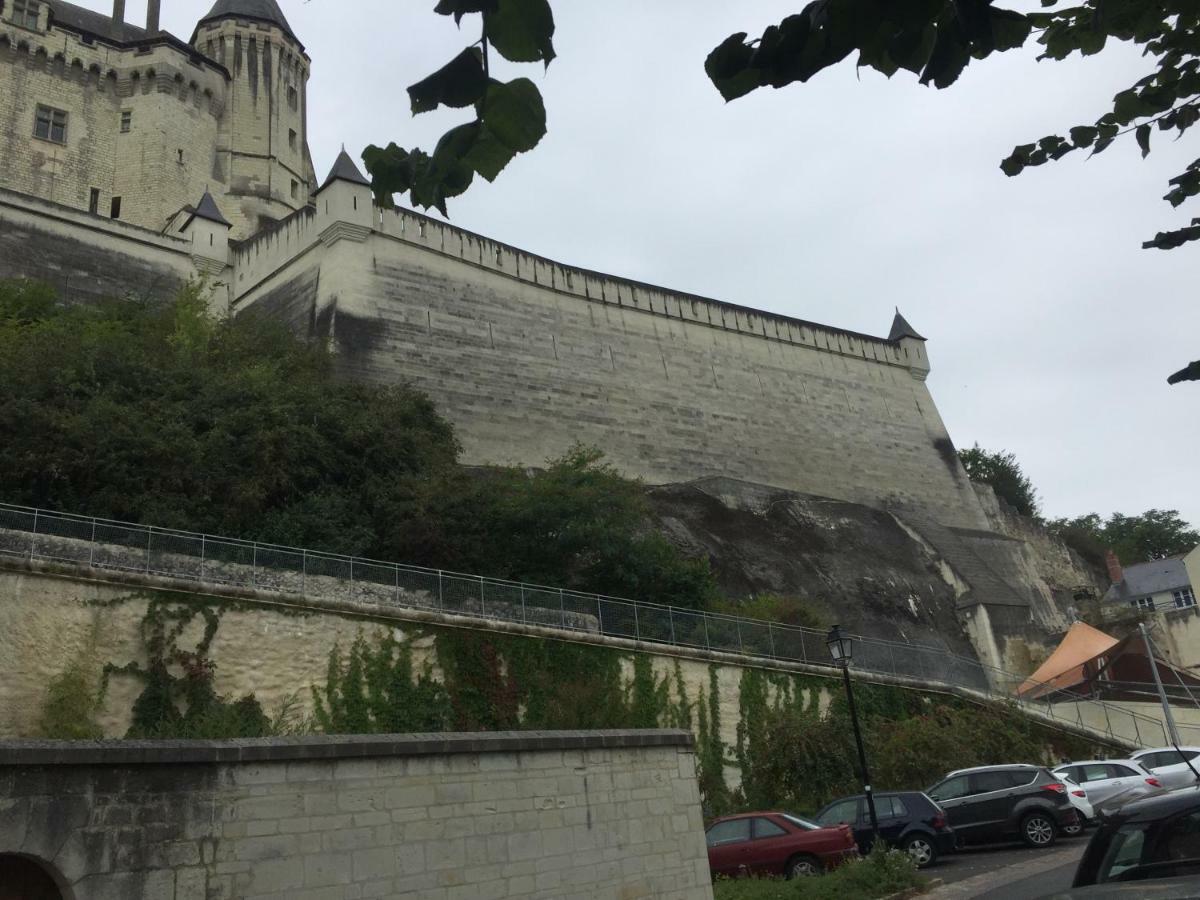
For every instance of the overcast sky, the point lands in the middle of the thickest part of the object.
(1051, 332)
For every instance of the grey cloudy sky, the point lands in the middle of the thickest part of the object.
(1050, 331)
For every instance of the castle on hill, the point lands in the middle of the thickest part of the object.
(133, 161)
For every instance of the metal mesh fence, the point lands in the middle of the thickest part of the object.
(121, 546)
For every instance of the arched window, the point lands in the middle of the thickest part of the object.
(23, 879)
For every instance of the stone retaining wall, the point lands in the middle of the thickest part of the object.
(537, 814)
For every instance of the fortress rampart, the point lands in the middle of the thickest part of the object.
(527, 356)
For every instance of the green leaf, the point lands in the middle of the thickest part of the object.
(1083, 135)
(522, 30)
(728, 66)
(459, 83)
(1009, 29)
(460, 8)
(514, 114)
(1012, 165)
(1143, 139)
(488, 156)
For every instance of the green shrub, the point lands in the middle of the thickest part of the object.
(878, 875)
(71, 706)
(159, 413)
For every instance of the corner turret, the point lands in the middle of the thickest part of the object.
(912, 346)
(345, 200)
(208, 230)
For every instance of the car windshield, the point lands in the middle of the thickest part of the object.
(802, 823)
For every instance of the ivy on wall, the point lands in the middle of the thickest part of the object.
(179, 699)
(792, 749)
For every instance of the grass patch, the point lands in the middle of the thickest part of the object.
(880, 874)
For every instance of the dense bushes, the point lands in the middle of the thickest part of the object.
(158, 413)
(880, 874)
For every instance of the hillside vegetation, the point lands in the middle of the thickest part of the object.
(159, 413)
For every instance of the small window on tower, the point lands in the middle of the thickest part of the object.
(293, 97)
(50, 124)
(115, 208)
(25, 13)
(295, 189)
(292, 138)
(126, 121)
(94, 201)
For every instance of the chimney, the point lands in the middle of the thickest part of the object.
(152, 9)
(119, 12)
(1115, 574)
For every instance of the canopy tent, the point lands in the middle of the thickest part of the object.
(1090, 662)
(1068, 665)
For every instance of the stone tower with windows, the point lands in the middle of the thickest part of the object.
(262, 156)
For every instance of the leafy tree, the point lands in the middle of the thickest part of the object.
(1155, 534)
(1002, 471)
(161, 414)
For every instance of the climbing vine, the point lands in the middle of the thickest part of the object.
(179, 699)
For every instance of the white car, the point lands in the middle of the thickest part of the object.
(1169, 767)
(1079, 799)
(1111, 782)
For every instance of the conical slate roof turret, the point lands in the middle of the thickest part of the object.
(259, 10)
(901, 329)
(344, 169)
(207, 209)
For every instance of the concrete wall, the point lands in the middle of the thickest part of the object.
(451, 817)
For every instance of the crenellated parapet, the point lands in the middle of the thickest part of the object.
(624, 293)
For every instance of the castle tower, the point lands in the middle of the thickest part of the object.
(912, 345)
(263, 155)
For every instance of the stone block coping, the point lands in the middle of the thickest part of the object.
(324, 748)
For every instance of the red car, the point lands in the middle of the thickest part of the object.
(775, 843)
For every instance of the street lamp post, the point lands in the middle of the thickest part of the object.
(841, 648)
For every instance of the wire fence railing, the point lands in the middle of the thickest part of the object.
(64, 538)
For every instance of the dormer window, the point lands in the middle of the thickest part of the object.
(25, 13)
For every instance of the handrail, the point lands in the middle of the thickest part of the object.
(34, 533)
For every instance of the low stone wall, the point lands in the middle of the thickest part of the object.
(537, 814)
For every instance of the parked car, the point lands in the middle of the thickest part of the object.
(908, 820)
(1079, 799)
(1111, 782)
(1154, 842)
(775, 843)
(997, 803)
(1170, 766)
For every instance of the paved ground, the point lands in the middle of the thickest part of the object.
(1007, 872)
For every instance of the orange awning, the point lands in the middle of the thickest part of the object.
(1066, 666)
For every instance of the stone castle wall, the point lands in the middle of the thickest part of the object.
(176, 102)
(88, 258)
(564, 815)
(526, 356)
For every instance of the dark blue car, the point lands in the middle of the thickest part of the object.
(908, 820)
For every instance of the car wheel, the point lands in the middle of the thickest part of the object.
(1075, 829)
(1037, 830)
(921, 851)
(802, 867)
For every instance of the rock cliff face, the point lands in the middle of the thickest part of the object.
(856, 565)
(885, 575)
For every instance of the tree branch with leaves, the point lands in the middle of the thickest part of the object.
(933, 39)
(510, 117)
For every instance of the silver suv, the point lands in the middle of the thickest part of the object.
(1111, 782)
